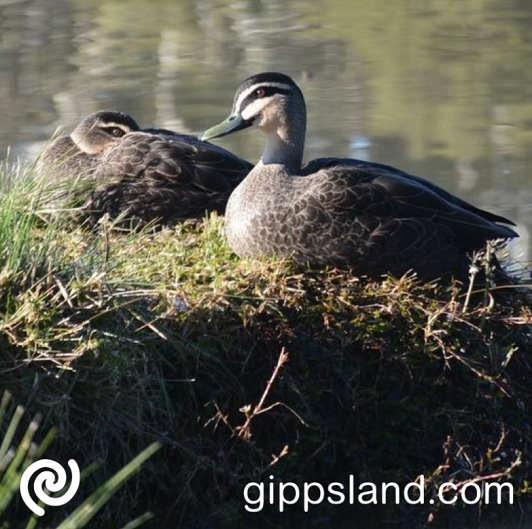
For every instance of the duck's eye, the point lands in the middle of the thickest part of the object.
(260, 92)
(115, 131)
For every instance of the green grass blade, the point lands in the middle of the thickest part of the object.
(137, 522)
(84, 513)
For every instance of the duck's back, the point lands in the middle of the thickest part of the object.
(157, 174)
(373, 167)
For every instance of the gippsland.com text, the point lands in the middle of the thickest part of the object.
(283, 494)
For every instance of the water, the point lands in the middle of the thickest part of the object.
(439, 88)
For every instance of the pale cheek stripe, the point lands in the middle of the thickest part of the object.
(255, 107)
(254, 87)
(112, 124)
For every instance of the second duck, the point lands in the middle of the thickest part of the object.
(142, 175)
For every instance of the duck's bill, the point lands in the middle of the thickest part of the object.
(230, 125)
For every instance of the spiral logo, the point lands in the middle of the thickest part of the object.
(54, 481)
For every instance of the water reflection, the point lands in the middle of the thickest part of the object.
(443, 92)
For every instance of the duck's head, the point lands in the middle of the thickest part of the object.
(265, 100)
(100, 130)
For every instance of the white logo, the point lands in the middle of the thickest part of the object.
(54, 482)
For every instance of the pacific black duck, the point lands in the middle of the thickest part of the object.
(371, 217)
(144, 175)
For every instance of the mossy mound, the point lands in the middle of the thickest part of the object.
(246, 370)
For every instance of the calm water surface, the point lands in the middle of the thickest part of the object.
(439, 88)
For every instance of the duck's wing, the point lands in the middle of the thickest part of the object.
(322, 163)
(164, 175)
(381, 221)
(375, 191)
(167, 158)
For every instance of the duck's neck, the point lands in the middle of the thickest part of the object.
(285, 142)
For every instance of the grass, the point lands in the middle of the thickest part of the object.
(245, 370)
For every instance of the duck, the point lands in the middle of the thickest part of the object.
(372, 218)
(143, 176)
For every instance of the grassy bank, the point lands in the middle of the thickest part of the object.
(246, 370)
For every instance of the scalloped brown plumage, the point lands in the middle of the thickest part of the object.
(144, 175)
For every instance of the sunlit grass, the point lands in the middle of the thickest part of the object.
(20, 197)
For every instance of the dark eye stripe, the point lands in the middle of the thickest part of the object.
(268, 91)
(115, 131)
